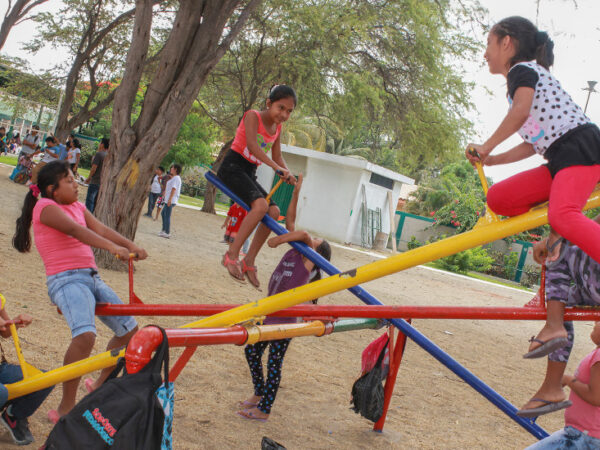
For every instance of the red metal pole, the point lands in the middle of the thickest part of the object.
(133, 299)
(376, 312)
(390, 381)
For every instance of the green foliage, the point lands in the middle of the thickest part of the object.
(413, 243)
(193, 182)
(531, 275)
(193, 144)
(88, 150)
(16, 79)
(510, 265)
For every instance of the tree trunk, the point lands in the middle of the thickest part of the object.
(14, 15)
(210, 194)
(137, 149)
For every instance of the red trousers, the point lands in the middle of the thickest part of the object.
(567, 193)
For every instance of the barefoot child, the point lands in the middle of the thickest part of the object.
(552, 125)
(15, 412)
(65, 232)
(257, 133)
(292, 271)
(573, 279)
(582, 420)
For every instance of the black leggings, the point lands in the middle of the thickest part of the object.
(254, 354)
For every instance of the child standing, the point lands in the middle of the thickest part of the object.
(155, 190)
(292, 271)
(257, 133)
(235, 217)
(74, 153)
(160, 201)
(171, 197)
(552, 125)
(65, 232)
(15, 412)
(582, 420)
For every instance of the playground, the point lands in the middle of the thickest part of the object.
(431, 407)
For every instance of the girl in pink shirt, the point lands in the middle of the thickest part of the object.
(65, 232)
(258, 133)
(582, 419)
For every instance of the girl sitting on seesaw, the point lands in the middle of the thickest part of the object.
(293, 270)
(552, 125)
(257, 133)
(65, 232)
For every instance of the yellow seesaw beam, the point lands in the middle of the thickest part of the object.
(536, 217)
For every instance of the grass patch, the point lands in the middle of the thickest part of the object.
(10, 160)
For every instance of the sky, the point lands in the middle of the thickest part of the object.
(574, 26)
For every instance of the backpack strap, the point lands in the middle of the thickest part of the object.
(160, 360)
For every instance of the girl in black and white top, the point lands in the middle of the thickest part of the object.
(552, 125)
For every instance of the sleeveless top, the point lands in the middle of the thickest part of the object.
(263, 139)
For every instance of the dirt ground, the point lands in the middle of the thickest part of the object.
(431, 407)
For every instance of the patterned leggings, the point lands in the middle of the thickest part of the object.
(267, 390)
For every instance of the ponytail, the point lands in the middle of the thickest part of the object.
(48, 177)
(323, 249)
(529, 42)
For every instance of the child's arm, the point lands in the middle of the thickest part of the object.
(513, 121)
(111, 235)
(297, 235)
(227, 219)
(521, 151)
(21, 321)
(278, 158)
(588, 392)
(54, 217)
(290, 217)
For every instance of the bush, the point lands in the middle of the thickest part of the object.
(193, 182)
(88, 150)
(474, 259)
(531, 275)
(413, 243)
(510, 265)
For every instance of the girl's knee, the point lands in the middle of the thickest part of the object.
(274, 211)
(260, 205)
(497, 201)
(84, 341)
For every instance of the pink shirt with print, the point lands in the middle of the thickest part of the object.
(263, 139)
(583, 415)
(58, 250)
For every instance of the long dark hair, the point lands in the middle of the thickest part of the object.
(530, 43)
(323, 249)
(49, 176)
(279, 91)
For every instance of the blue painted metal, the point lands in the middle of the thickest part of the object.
(419, 338)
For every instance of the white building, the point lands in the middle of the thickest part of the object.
(343, 198)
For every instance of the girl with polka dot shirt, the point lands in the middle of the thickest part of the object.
(552, 125)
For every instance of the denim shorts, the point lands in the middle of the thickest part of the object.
(567, 438)
(76, 292)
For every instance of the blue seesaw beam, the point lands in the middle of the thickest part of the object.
(410, 331)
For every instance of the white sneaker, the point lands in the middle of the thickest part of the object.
(162, 234)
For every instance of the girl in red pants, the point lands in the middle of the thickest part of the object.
(552, 125)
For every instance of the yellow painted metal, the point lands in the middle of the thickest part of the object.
(42, 380)
(536, 217)
(290, 330)
(274, 189)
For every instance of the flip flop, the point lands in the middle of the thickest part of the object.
(546, 348)
(246, 414)
(548, 407)
(246, 404)
(246, 269)
(233, 268)
(53, 416)
(89, 385)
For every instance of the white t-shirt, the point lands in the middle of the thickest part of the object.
(174, 182)
(30, 138)
(47, 158)
(156, 188)
(72, 155)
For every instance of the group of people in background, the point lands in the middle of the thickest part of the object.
(165, 190)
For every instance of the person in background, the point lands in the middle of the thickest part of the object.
(74, 154)
(155, 190)
(172, 192)
(93, 179)
(50, 154)
(3, 141)
(31, 142)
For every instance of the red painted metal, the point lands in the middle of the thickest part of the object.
(145, 341)
(365, 311)
(395, 360)
(133, 299)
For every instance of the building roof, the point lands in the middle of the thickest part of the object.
(348, 161)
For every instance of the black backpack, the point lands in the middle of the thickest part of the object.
(367, 391)
(124, 413)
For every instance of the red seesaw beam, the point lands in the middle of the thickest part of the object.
(375, 312)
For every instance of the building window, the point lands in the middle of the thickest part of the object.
(382, 181)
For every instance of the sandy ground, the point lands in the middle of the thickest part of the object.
(431, 407)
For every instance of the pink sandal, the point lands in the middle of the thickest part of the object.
(248, 271)
(233, 267)
(53, 416)
(89, 385)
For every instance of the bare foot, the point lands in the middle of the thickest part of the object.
(547, 333)
(253, 414)
(250, 403)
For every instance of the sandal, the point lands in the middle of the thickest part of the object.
(89, 385)
(251, 273)
(233, 268)
(53, 416)
(249, 415)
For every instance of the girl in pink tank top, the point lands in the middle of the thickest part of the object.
(258, 133)
(65, 232)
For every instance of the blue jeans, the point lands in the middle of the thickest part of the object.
(92, 195)
(152, 197)
(25, 406)
(76, 293)
(567, 438)
(166, 218)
